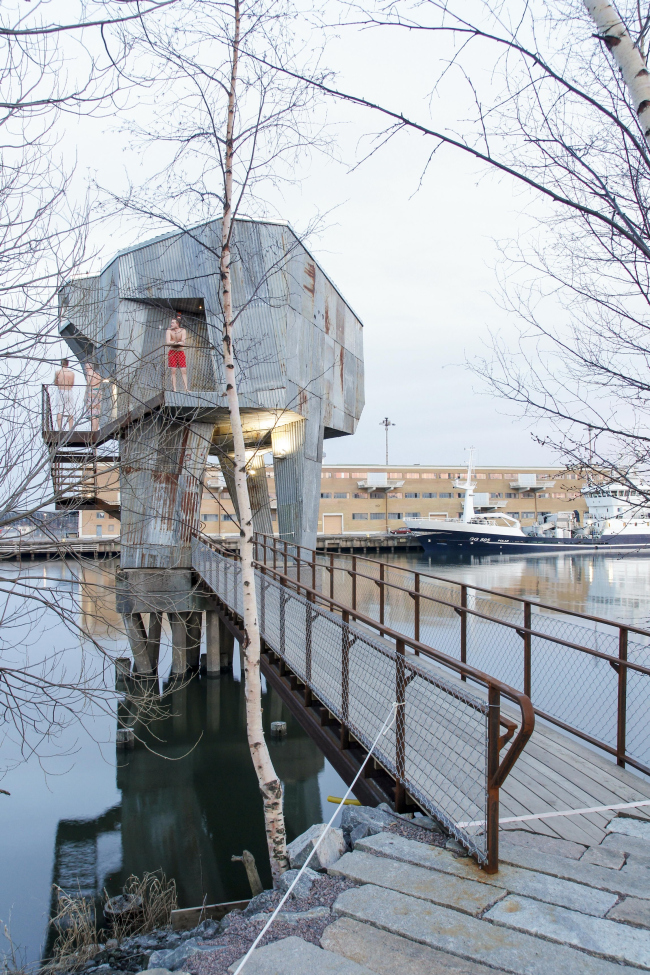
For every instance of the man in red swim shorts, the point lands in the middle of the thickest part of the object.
(175, 339)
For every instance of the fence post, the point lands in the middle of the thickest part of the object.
(285, 557)
(308, 645)
(354, 582)
(528, 619)
(283, 600)
(331, 575)
(463, 628)
(345, 680)
(622, 698)
(416, 621)
(400, 728)
(492, 812)
(381, 592)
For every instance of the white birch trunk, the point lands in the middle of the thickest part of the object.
(270, 785)
(629, 59)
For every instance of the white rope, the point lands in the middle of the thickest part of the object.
(388, 723)
(565, 812)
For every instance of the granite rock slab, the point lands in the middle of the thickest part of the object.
(465, 936)
(632, 910)
(388, 954)
(439, 888)
(540, 886)
(293, 956)
(594, 934)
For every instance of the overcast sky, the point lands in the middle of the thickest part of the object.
(415, 258)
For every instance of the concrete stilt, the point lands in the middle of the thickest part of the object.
(153, 640)
(179, 643)
(213, 643)
(227, 646)
(297, 462)
(137, 636)
(193, 642)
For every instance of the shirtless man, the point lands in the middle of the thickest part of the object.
(93, 394)
(175, 339)
(64, 382)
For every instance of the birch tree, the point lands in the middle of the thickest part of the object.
(233, 133)
(560, 112)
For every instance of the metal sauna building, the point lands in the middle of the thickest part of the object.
(299, 352)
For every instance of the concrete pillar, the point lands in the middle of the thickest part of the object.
(162, 462)
(213, 643)
(297, 462)
(153, 640)
(179, 643)
(137, 636)
(227, 646)
(193, 643)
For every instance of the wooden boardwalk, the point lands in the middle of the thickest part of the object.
(557, 772)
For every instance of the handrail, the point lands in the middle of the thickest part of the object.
(279, 548)
(455, 582)
(497, 770)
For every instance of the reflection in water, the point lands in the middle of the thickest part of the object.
(616, 587)
(184, 800)
(190, 800)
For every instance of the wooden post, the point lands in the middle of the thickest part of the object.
(416, 609)
(381, 591)
(354, 582)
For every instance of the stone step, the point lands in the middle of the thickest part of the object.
(465, 936)
(637, 848)
(293, 956)
(439, 888)
(632, 910)
(540, 886)
(390, 954)
(633, 882)
(593, 934)
(544, 844)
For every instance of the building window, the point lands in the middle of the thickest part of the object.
(412, 475)
(359, 516)
(362, 494)
(412, 514)
(461, 495)
(494, 494)
(100, 514)
(495, 477)
(410, 495)
(544, 495)
(395, 515)
(358, 474)
(480, 477)
(98, 531)
(397, 495)
(376, 516)
(511, 494)
(228, 517)
(442, 475)
(445, 495)
(394, 474)
(210, 517)
(559, 495)
(111, 528)
(528, 514)
(513, 514)
(225, 496)
(428, 494)
(327, 474)
(341, 474)
(339, 495)
(326, 494)
(376, 494)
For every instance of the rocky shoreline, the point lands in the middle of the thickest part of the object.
(213, 947)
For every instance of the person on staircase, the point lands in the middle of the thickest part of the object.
(175, 340)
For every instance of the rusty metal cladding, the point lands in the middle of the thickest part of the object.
(299, 351)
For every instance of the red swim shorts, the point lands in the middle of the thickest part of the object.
(176, 359)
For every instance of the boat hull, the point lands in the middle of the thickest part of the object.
(435, 541)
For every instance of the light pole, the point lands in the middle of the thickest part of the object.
(385, 423)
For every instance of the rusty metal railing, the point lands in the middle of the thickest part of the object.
(587, 675)
(445, 751)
